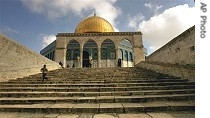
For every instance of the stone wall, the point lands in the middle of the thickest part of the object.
(180, 50)
(184, 72)
(18, 61)
(176, 58)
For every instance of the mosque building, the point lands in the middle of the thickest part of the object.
(95, 41)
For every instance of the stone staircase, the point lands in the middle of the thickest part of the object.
(98, 90)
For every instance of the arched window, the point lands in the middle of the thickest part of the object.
(95, 54)
(112, 54)
(68, 54)
(126, 56)
(73, 44)
(103, 53)
(90, 46)
(72, 47)
(127, 49)
(76, 54)
(108, 48)
(130, 57)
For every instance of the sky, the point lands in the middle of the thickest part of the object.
(34, 23)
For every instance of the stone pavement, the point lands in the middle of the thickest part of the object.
(180, 114)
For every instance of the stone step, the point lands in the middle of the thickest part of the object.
(100, 75)
(91, 81)
(82, 82)
(72, 76)
(96, 84)
(104, 72)
(98, 99)
(101, 107)
(97, 89)
(93, 94)
(96, 75)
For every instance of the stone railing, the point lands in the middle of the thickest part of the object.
(182, 71)
(18, 61)
(19, 73)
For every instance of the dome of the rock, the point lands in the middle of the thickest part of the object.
(94, 24)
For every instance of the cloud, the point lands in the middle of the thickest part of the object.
(47, 39)
(154, 8)
(149, 5)
(162, 28)
(54, 9)
(133, 21)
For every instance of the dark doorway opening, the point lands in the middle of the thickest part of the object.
(85, 61)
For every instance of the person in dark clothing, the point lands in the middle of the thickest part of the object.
(61, 64)
(90, 63)
(44, 72)
(67, 66)
(119, 63)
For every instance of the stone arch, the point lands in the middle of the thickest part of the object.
(109, 46)
(108, 53)
(90, 44)
(90, 52)
(126, 42)
(73, 44)
(127, 39)
(127, 50)
(72, 53)
(106, 39)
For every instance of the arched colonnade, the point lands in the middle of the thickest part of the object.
(100, 53)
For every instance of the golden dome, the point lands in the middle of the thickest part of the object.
(94, 24)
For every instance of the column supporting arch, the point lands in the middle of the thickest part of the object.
(81, 57)
(117, 55)
(99, 56)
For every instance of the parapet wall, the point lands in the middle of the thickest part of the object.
(18, 61)
(184, 72)
(176, 58)
(180, 50)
